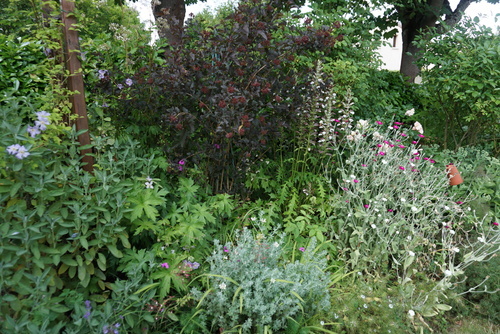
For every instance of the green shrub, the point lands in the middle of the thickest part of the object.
(253, 289)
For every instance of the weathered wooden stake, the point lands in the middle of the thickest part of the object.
(75, 79)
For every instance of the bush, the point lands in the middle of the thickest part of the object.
(253, 289)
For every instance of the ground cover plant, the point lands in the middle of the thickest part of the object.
(292, 207)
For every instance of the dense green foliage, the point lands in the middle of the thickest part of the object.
(239, 184)
(460, 87)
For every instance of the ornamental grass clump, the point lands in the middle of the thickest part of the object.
(252, 288)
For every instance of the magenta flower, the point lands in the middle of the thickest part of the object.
(403, 134)
(379, 123)
(495, 223)
(414, 142)
(432, 161)
(182, 162)
(379, 145)
(398, 123)
(226, 250)
(421, 136)
(401, 146)
(381, 153)
(459, 202)
(396, 127)
(302, 249)
(366, 206)
(390, 210)
(426, 158)
(165, 265)
(363, 165)
(401, 167)
(355, 181)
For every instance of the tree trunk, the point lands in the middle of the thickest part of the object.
(169, 16)
(417, 21)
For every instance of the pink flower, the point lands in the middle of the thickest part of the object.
(403, 134)
(396, 127)
(495, 223)
(386, 142)
(363, 165)
(459, 202)
(182, 162)
(345, 189)
(381, 153)
(426, 158)
(366, 206)
(432, 161)
(421, 136)
(398, 140)
(379, 123)
(226, 250)
(379, 145)
(302, 249)
(355, 181)
(414, 142)
(165, 265)
(401, 167)
(398, 123)
(401, 146)
(390, 210)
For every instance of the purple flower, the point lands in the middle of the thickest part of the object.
(355, 181)
(13, 149)
(226, 250)
(182, 162)
(33, 131)
(217, 146)
(165, 265)
(88, 306)
(196, 265)
(119, 86)
(302, 249)
(129, 82)
(102, 73)
(366, 206)
(19, 151)
(42, 115)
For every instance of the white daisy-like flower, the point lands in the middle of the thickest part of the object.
(411, 253)
(222, 286)
(455, 249)
(411, 313)
(410, 112)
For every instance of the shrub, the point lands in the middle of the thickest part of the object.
(223, 98)
(252, 289)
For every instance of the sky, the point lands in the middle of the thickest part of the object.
(484, 10)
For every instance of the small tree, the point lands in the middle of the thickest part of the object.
(461, 76)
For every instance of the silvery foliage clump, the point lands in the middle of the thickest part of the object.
(251, 287)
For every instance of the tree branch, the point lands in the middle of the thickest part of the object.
(455, 16)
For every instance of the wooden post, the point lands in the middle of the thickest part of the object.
(75, 79)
